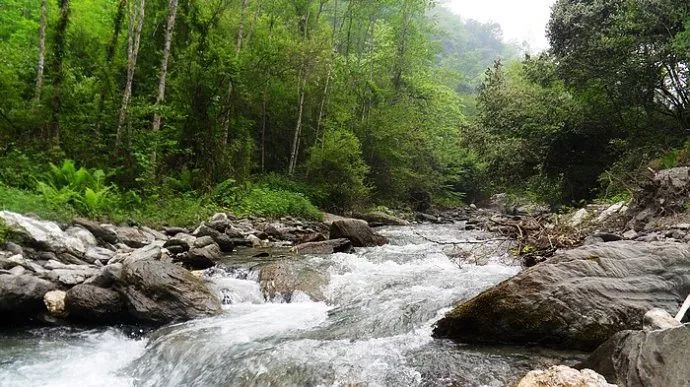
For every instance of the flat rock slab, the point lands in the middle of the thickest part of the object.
(577, 299)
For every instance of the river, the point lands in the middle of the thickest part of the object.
(372, 327)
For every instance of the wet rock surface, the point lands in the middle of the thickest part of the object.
(578, 298)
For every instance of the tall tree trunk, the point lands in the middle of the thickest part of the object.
(58, 56)
(136, 23)
(41, 50)
(107, 86)
(240, 30)
(170, 26)
(298, 128)
(264, 102)
(257, 11)
(322, 105)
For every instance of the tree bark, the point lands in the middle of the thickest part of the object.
(172, 12)
(240, 30)
(41, 50)
(58, 54)
(298, 127)
(136, 23)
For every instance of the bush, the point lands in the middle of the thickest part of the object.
(276, 203)
(337, 168)
(81, 188)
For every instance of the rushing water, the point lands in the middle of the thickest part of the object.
(372, 327)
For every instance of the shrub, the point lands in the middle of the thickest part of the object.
(81, 188)
(276, 203)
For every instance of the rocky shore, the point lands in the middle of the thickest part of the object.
(87, 272)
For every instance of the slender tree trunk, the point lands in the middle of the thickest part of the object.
(240, 30)
(172, 12)
(257, 11)
(107, 86)
(170, 26)
(298, 128)
(322, 105)
(41, 50)
(264, 102)
(136, 24)
(59, 52)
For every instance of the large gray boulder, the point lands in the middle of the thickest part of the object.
(279, 281)
(21, 296)
(577, 299)
(94, 304)
(645, 358)
(43, 235)
(158, 292)
(357, 231)
(99, 231)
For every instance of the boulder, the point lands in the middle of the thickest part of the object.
(159, 292)
(203, 241)
(576, 299)
(234, 233)
(21, 296)
(94, 304)
(181, 240)
(280, 280)
(380, 218)
(579, 217)
(172, 231)
(55, 303)
(562, 376)
(225, 243)
(146, 253)
(100, 232)
(659, 319)
(200, 258)
(645, 358)
(357, 231)
(134, 237)
(42, 234)
(341, 245)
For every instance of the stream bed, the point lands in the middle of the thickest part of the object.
(371, 326)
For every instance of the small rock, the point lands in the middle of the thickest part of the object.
(630, 234)
(14, 248)
(233, 232)
(84, 235)
(100, 232)
(579, 217)
(107, 277)
(204, 230)
(17, 270)
(659, 319)
(98, 254)
(342, 245)
(147, 253)
(172, 231)
(133, 237)
(55, 303)
(562, 376)
(199, 258)
(72, 274)
(203, 241)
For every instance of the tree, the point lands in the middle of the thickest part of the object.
(41, 50)
(136, 23)
(58, 76)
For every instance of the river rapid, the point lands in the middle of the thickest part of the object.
(372, 327)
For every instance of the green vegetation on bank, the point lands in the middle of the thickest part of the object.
(174, 109)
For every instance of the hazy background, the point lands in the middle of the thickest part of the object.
(521, 20)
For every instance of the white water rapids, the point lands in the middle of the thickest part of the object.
(373, 328)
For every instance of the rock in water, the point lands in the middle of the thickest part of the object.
(380, 218)
(577, 299)
(562, 376)
(21, 296)
(341, 245)
(357, 231)
(640, 358)
(93, 304)
(159, 292)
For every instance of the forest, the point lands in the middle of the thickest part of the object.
(161, 111)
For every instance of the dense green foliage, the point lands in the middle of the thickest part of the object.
(587, 118)
(359, 100)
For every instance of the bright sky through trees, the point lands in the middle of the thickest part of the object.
(521, 20)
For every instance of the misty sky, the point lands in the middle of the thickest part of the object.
(521, 20)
